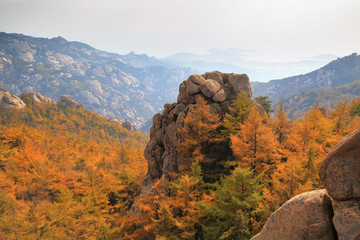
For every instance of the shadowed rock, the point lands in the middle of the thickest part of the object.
(66, 101)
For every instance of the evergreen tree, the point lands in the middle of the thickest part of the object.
(237, 116)
(234, 206)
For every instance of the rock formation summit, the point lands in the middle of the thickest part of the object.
(219, 91)
(67, 101)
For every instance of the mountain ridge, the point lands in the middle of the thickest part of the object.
(128, 87)
(336, 73)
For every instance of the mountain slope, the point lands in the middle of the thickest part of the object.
(337, 73)
(325, 98)
(129, 87)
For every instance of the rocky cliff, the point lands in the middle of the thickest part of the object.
(218, 89)
(331, 213)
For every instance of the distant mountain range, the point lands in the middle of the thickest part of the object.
(128, 87)
(239, 61)
(320, 86)
(134, 87)
(325, 98)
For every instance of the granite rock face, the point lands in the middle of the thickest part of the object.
(66, 101)
(340, 170)
(219, 91)
(347, 219)
(38, 98)
(9, 100)
(305, 216)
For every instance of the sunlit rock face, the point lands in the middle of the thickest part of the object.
(9, 100)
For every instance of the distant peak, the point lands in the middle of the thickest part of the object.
(59, 39)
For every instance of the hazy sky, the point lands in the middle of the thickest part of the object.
(277, 30)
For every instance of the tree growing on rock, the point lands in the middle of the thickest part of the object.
(237, 116)
(199, 129)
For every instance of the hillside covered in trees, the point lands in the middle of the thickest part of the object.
(69, 173)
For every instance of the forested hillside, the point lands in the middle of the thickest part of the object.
(300, 103)
(69, 173)
(65, 173)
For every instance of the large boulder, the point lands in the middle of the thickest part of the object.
(305, 216)
(218, 93)
(37, 98)
(9, 100)
(340, 170)
(66, 101)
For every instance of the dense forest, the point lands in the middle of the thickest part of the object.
(72, 174)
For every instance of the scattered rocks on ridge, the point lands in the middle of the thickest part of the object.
(219, 91)
(66, 101)
(126, 124)
(38, 98)
(9, 100)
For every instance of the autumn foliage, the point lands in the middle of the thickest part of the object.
(72, 174)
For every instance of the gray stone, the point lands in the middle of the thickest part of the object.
(340, 170)
(210, 87)
(197, 79)
(220, 96)
(8, 100)
(240, 82)
(217, 76)
(192, 88)
(38, 98)
(66, 101)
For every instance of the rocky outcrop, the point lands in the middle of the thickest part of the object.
(37, 98)
(305, 216)
(66, 101)
(340, 172)
(218, 89)
(126, 124)
(9, 100)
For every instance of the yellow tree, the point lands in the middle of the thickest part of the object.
(282, 124)
(199, 129)
(256, 147)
